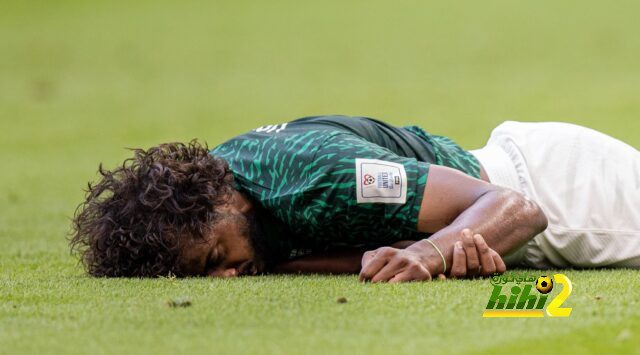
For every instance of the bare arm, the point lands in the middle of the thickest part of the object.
(344, 261)
(452, 202)
(348, 261)
(505, 218)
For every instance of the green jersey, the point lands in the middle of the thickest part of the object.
(328, 181)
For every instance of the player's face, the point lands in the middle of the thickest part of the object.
(233, 248)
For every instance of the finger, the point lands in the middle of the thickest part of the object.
(377, 262)
(497, 259)
(414, 272)
(473, 264)
(391, 269)
(459, 266)
(487, 266)
(366, 258)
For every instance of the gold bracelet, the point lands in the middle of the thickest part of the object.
(444, 262)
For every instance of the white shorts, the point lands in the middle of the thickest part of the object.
(587, 183)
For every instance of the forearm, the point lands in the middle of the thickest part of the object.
(504, 218)
(345, 261)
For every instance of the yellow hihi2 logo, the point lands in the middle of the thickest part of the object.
(521, 301)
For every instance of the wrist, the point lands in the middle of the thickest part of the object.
(429, 256)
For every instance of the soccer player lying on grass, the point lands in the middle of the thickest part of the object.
(315, 193)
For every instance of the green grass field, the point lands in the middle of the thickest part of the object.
(79, 81)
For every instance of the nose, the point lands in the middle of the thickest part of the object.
(230, 272)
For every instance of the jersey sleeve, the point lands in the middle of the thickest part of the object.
(369, 189)
(330, 188)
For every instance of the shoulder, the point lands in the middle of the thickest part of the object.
(268, 139)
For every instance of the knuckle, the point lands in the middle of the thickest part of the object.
(483, 248)
(386, 251)
(399, 260)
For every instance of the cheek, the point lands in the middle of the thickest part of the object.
(235, 239)
(242, 235)
(239, 247)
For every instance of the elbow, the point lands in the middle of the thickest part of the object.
(526, 213)
(538, 219)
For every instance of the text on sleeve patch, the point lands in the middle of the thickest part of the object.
(380, 181)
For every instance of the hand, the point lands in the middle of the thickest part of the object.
(472, 257)
(393, 265)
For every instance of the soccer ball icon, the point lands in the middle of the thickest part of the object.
(368, 179)
(544, 284)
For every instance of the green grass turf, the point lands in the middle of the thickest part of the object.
(81, 80)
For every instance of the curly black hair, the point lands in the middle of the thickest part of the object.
(136, 217)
